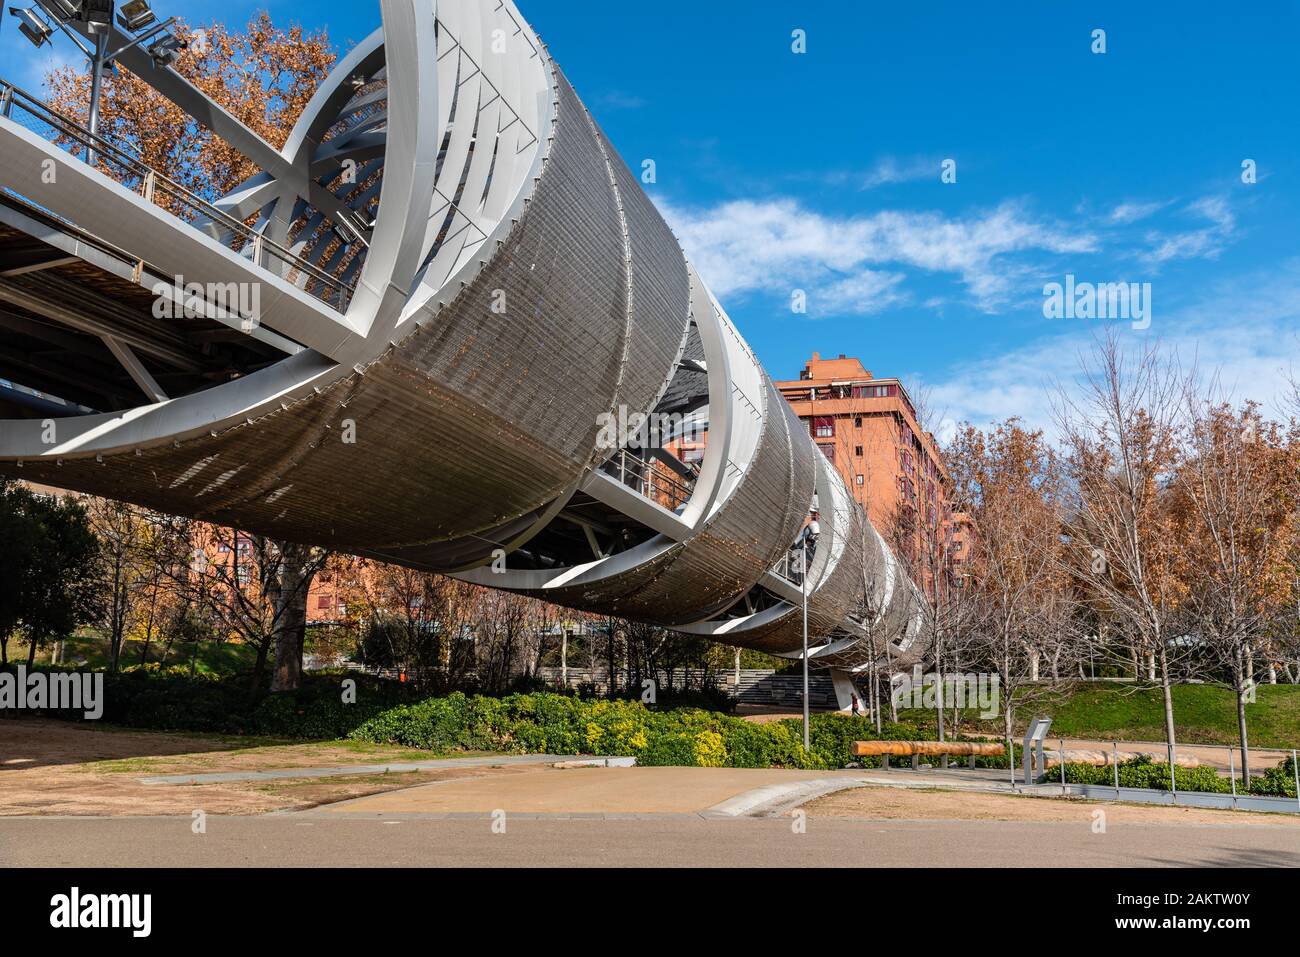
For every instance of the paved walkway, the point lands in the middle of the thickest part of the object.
(598, 792)
(668, 840)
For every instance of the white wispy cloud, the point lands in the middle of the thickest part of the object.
(1126, 213)
(890, 170)
(618, 100)
(864, 292)
(1204, 242)
(776, 245)
(1244, 331)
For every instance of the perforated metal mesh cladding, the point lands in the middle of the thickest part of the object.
(478, 419)
(724, 560)
(475, 419)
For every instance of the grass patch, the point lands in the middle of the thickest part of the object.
(1104, 711)
(91, 651)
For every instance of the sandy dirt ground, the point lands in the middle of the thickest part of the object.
(58, 768)
(884, 803)
(54, 767)
(651, 790)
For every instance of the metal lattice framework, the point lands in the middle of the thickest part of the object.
(454, 263)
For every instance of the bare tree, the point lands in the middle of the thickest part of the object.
(121, 531)
(1122, 437)
(250, 588)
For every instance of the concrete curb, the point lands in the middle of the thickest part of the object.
(491, 761)
(774, 799)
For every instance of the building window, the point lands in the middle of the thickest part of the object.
(857, 421)
(857, 450)
(323, 601)
(858, 478)
(828, 451)
(823, 426)
(870, 391)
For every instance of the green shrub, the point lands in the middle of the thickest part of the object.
(390, 713)
(1142, 772)
(1277, 781)
(563, 724)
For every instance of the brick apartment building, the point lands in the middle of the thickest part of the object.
(868, 428)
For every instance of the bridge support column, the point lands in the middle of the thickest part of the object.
(845, 690)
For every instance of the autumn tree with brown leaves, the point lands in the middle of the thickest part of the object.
(1010, 481)
(264, 76)
(1236, 521)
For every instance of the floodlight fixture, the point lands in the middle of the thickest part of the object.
(343, 232)
(32, 25)
(63, 10)
(97, 15)
(167, 49)
(135, 15)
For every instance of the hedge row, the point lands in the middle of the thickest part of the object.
(168, 701)
(389, 713)
(1142, 772)
(556, 724)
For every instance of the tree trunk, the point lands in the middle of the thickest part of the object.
(939, 687)
(148, 628)
(259, 666)
(31, 654)
(611, 649)
(1169, 703)
(1241, 731)
(290, 609)
(889, 683)
(1006, 730)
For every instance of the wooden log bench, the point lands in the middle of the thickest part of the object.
(916, 749)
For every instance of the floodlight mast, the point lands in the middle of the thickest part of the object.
(97, 64)
(97, 15)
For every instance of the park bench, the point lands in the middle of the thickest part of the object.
(916, 749)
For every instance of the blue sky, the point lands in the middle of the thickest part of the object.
(821, 172)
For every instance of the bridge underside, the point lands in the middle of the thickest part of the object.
(417, 348)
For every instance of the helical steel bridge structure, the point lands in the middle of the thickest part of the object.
(457, 285)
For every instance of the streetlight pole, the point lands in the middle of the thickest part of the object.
(803, 588)
(97, 64)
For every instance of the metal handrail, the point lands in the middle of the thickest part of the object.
(650, 482)
(152, 184)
